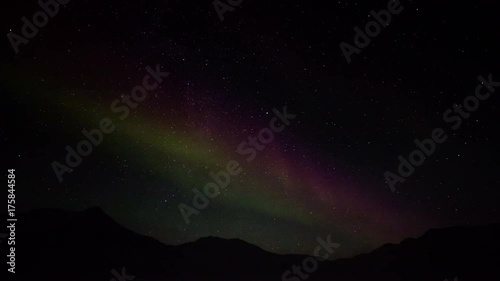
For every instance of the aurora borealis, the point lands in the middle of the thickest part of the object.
(321, 175)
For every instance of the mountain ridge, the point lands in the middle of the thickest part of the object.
(91, 243)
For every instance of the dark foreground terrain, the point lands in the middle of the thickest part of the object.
(88, 245)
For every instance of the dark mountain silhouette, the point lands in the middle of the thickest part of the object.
(88, 245)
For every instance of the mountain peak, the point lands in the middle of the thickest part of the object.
(95, 211)
(222, 245)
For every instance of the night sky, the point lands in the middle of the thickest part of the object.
(323, 174)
